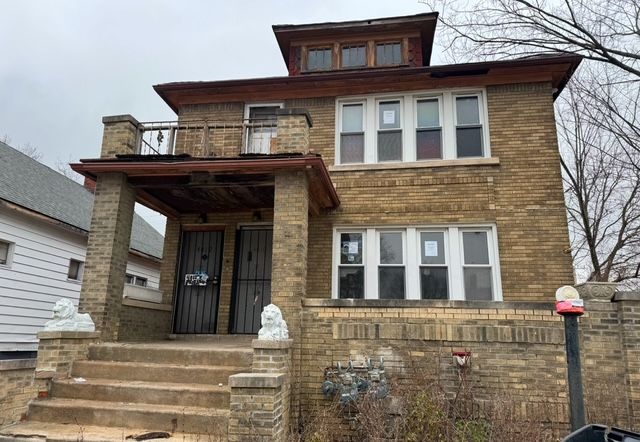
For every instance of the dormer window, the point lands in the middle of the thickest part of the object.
(319, 59)
(388, 53)
(354, 56)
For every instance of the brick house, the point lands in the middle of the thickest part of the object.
(387, 206)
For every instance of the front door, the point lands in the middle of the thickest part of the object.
(198, 284)
(252, 281)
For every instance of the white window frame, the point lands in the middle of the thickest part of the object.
(375, 276)
(438, 97)
(379, 129)
(246, 122)
(419, 264)
(136, 278)
(482, 115)
(10, 248)
(408, 110)
(339, 128)
(454, 257)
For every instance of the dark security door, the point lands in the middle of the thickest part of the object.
(252, 282)
(198, 284)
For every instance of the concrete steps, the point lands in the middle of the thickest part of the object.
(180, 387)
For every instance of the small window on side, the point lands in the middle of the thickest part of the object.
(75, 270)
(142, 282)
(319, 59)
(5, 248)
(388, 53)
(128, 279)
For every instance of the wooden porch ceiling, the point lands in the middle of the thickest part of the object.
(182, 185)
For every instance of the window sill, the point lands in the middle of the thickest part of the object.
(146, 304)
(493, 161)
(423, 303)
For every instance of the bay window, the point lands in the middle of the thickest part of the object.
(431, 126)
(443, 262)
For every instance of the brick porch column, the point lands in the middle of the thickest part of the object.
(290, 236)
(110, 232)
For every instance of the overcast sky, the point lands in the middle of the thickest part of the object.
(65, 64)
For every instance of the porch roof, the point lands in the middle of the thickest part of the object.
(180, 184)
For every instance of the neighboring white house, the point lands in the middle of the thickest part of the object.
(44, 222)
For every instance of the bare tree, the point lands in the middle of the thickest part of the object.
(602, 30)
(28, 149)
(602, 188)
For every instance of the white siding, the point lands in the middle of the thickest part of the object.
(37, 276)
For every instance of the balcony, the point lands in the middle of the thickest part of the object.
(206, 138)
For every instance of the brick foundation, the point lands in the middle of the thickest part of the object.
(17, 388)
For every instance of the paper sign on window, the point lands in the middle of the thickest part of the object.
(199, 279)
(431, 248)
(353, 248)
(388, 117)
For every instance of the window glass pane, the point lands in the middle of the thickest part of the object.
(467, 111)
(351, 282)
(477, 283)
(128, 279)
(390, 145)
(352, 148)
(469, 141)
(388, 53)
(319, 59)
(352, 118)
(391, 282)
(391, 248)
(428, 144)
(4, 252)
(389, 115)
(74, 270)
(351, 248)
(476, 249)
(142, 282)
(353, 56)
(428, 113)
(432, 248)
(433, 283)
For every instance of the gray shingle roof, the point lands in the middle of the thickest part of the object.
(32, 185)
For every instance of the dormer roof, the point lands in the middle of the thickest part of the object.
(424, 24)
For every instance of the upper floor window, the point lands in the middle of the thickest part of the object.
(354, 56)
(412, 127)
(388, 53)
(454, 262)
(5, 252)
(468, 126)
(319, 59)
(352, 133)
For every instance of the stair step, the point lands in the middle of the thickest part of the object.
(173, 352)
(177, 394)
(81, 412)
(136, 371)
(55, 432)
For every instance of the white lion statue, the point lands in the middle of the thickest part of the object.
(67, 318)
(274, 328)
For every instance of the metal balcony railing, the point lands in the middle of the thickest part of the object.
(206, 138)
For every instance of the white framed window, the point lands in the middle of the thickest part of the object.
(75, 271)
(6, 253)
(351, 132)
(469, 125)
(261, 126)
(135, 280)
(391, 264)
(431, 125)
(389, 135)
(428, 128)
(457, 262)
(350, 256)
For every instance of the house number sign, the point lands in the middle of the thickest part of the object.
(197, 279)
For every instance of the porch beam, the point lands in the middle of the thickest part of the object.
(154, 203)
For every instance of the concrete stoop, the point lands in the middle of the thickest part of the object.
(125, 389)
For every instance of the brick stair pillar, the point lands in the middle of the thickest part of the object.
(110, 232)
(290, 237)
